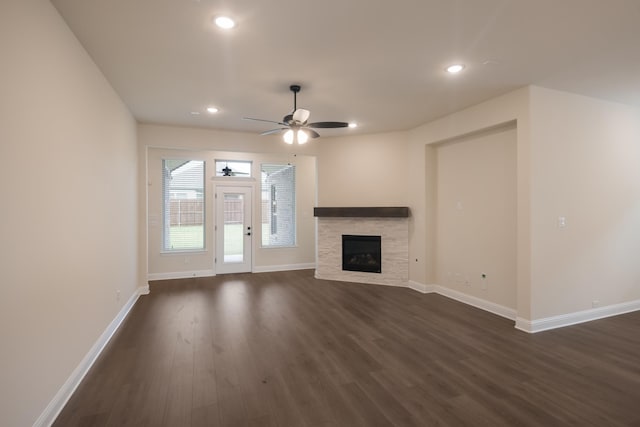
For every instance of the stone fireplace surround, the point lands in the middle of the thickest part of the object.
(391, 223)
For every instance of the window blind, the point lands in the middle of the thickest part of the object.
(278, 205)
(183, 201)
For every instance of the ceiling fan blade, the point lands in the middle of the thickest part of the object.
(326, 125)
(312, 133)
(263, 120)
(301, 115)
(272, 131)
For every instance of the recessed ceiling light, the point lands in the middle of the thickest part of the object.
(225, 22)
(353, 125)
(212, 110)
(455, 68)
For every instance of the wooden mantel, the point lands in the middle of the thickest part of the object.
(363, 212)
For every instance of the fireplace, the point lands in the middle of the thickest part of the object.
(362, 253)
(389, 225)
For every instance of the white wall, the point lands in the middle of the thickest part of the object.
(476, 216)
(585, 167)
(68, 182)
(158, 142)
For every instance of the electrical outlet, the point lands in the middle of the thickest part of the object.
(118, 295)
(595, 303)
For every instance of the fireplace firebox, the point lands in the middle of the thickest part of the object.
(361, 253)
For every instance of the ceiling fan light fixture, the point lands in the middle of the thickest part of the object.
(302, 137)
(288, 136)
(301, 115)
(224, 22)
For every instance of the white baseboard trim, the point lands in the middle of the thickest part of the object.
(210, 273)
(480, 303)
(53, 409)
(553, 322)
(284, 267)
(180, 275)
(526, 325)
(483, 304)
(421, 287)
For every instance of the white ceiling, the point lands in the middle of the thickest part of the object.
(377, 62)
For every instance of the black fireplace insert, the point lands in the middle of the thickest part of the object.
(361, 253)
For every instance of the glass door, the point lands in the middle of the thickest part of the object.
(233, 229)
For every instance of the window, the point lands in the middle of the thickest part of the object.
(233, 168)
(278, 205)
(183, 197)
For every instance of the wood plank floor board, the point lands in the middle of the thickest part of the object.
(93, 420)
(497, 393)
(301, 388)
(423, 401)
(284, 349)
(367, 411)
(388, 404)
(123, 411)
(205, 416)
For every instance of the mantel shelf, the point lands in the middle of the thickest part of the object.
(363, 212)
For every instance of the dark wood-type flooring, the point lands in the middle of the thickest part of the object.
(285, 349)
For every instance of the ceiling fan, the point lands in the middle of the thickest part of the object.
(296, 126)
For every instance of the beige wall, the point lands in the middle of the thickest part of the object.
(585, 168)
(576, 157)
(209, 145)
(476, 215)
(68, 182)
(423, 183)
(159, 136)
(363, 170)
